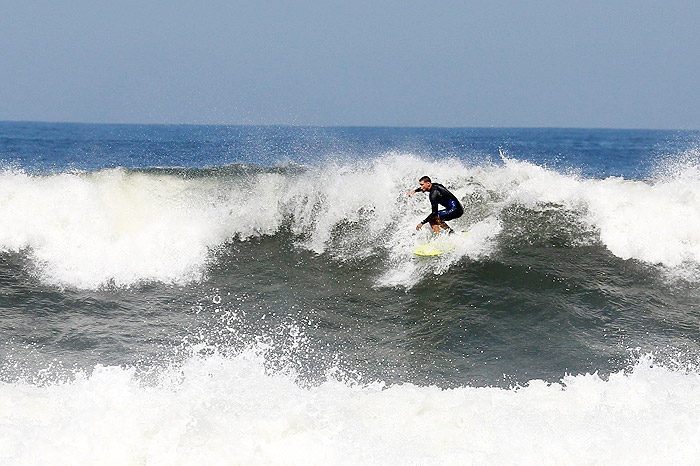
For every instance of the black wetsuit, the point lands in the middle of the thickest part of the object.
(440, 195)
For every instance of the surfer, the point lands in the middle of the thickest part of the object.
(438, 194)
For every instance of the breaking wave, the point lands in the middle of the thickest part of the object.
(120, 227)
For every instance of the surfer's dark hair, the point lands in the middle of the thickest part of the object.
(425, 179)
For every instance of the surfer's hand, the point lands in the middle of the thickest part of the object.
(420, 225)
(411, 193)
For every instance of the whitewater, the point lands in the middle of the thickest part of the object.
(230, 411)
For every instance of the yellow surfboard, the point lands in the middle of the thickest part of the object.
(436, 246)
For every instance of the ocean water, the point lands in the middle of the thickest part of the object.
(248, 295)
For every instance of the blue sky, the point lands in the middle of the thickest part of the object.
(618, 64)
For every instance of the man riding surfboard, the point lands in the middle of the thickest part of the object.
(438, 195)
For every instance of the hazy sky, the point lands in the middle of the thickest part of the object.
(621, 64)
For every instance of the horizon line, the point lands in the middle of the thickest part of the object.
(378, 126)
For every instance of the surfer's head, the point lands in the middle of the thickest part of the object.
(425, 183)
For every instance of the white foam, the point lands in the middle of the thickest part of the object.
(120, 227)
(89, 229)
(657, 222)
(217, 410)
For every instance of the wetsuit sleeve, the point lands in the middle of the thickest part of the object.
(434, 204)
(430, 217)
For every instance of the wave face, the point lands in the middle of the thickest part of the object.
(122, 227)
(229, 410)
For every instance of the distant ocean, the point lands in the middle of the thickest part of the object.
(191, 295)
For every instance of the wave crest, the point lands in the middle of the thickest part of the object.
(123, 227)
